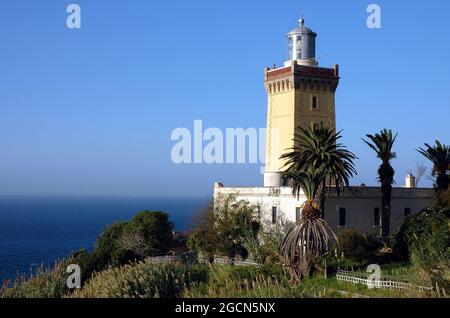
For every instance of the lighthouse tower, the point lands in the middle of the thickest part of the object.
(299, 94)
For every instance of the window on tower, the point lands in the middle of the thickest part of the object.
(376, 217)
(298, 48)
(407, 212)
(342, 216)
(314, 103)
(274, 215)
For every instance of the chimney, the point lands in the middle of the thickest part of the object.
(410, 181)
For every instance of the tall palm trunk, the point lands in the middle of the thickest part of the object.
(382, 144)
(386, 191)
(322, 200)
(386, 176)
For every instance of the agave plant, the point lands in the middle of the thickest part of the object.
(382, 144)
(318, 148)
(439, 155)
(310, 237)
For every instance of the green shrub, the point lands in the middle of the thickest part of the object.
(147, 234)
(430, 228)
(89, 263)
(155, 230)
(108, 241)
(264, 248)
(358, 247)
(143, 280)
(202, 236)
(224, 228)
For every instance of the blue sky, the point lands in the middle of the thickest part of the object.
(91, 111)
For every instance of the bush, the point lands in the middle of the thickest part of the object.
(430, 229)
(108, 241)
(264, 248)
(154, 229)
(143, 280)
(202, 236)
(224, 228)
(443, 200)
(358, 247)
(147, 234)
(89, 263)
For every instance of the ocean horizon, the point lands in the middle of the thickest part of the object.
(37, 230)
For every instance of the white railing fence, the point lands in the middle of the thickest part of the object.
(385, 281)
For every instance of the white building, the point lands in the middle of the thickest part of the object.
(301, 93)
(359, 207)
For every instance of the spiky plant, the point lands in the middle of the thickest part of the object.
(310, 237)
(439, 155)
(318, 148)
(382, 143)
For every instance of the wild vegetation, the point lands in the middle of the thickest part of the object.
(225, 227)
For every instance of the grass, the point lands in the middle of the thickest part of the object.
(149, 280)
(143, 280)
(223, 284)
(46, 282)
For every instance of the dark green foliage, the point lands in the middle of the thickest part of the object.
(108, 241)
(358, 247)
(155, 229)
(439, 155)
(89, 263)
(202, 234)
(239, 273)
(430, 229)
(123, 256)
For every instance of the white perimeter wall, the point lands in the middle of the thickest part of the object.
(358, 201)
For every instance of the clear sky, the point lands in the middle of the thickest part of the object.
(91, 111)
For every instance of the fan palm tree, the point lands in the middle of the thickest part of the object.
(318, 148)
(311, 236)
(382, 144)
(439, 155)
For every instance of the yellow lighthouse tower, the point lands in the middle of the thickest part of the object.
(299, 94)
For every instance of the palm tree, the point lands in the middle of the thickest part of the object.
(439, 155)
(311, 236)
(382, 144)
(318, 148)
(316, 158)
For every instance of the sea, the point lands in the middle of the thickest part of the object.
(36, 231)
